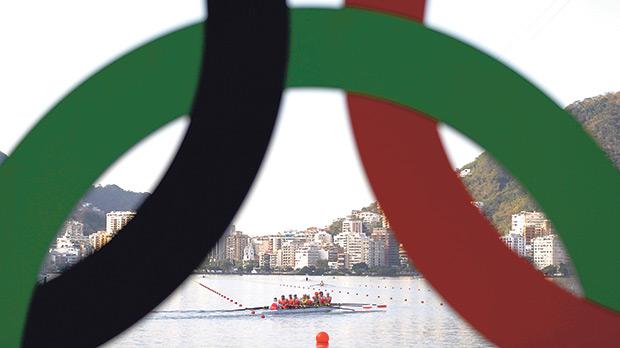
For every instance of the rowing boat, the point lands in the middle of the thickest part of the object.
(313, 310)
(301, 310)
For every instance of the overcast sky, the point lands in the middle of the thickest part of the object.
(312, 172)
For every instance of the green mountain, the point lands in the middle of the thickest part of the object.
(503, 196)
(99, 201)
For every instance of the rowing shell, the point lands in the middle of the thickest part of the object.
(292, 311)
(312, 310)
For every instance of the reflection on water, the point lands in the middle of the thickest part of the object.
(416, 315)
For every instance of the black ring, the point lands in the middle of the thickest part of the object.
(233, 116)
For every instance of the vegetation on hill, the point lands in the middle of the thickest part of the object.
(503, 196)
(101, 200)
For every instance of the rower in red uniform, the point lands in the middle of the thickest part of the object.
(309, 301)
(321, 299)
(328, 300)
(290, 301)
(296, 302)
(274, 305)
(283, 302)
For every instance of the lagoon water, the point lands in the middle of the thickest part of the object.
(185, 320)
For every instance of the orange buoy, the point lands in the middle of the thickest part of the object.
(322, 337)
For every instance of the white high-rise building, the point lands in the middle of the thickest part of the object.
(548, 250)
(306, 256)
(285, 256)
(116, 220)
(354, 245)
(515, 242)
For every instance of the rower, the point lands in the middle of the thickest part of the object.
(328, 300)
(309, 301)
(274, 305)
(296, 301)
(283, 302)
(290, 301)
(321, 299)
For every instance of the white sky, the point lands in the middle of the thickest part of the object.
(311, 174)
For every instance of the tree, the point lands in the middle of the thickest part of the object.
(322, 266)
(360, 268)
(372, 208)
(565, 269)
(335, 227)
(549, 270)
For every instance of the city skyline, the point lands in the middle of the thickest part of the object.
(536, 38)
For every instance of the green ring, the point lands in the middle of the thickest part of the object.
(147, 88)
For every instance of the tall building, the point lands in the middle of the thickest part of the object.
(343, 261)
(276, 243)
(353, 226)
(218, 252)
(548, 250)
(285, 257)
(99, 239)
(264, 261)
(235, 245)
(374, 254)
(116, 220)
(306, 256)
(515, 242)
(391, 246)
(353, 245)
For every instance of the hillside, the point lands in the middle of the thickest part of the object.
(503, 196)
(99, 201)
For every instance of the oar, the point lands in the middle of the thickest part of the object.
(352, 304)
(216, 310)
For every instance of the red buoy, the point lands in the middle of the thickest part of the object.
(322, 337)
(262, 316)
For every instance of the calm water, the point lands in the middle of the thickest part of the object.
(182, 321)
